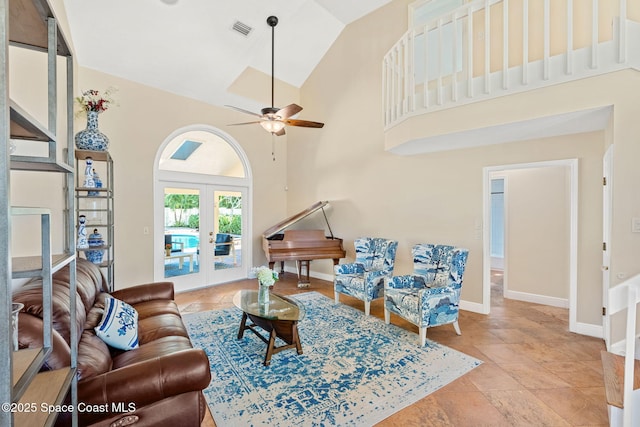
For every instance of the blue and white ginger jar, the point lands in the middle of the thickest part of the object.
(95, 240)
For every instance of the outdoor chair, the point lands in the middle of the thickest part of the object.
(430, 296)
(364, 279)
(224, 246)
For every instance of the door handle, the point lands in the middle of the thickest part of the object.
(210, 240)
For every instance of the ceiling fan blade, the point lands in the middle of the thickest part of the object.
(303, 123)
(289, 111)
(244, 123)
(242, 110)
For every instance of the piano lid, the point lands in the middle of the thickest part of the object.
(293, 219)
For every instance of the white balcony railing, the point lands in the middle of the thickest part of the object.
(491, 48)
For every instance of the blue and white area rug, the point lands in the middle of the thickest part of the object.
(355, 370)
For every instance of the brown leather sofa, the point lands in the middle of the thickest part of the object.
(159, 383)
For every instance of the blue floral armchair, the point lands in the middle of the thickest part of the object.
(429, 297)
(364, 279)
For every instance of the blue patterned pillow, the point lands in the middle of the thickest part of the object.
(119, 325)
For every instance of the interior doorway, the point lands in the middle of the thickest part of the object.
(543, 250)
(202, 205)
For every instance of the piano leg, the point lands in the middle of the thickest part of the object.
(303, 281)
(273, 263)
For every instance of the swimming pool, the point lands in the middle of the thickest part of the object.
(190, 241)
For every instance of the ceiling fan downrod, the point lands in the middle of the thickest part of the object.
(272, 21)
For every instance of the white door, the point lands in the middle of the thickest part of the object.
(203, 234)
(607, 165)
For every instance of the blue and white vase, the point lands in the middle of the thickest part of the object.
(91, 138)
(95, 241)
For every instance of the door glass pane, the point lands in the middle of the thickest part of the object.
(181, 231)
(228, 229)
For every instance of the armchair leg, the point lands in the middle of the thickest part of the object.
(423, 336)
(367, 307)
(336, 297)
(387, 316)
(457, 327)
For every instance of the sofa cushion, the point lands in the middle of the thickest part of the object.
(89, 281)
(153, 308)
(94, 316)
(155, 349)
(162, 325)
(119, 325)
(93, 356)
(30, 294)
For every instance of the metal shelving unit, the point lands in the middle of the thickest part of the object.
(31, 24)
(97, 205)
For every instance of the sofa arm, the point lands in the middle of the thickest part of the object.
(146, 292)
(146, 382)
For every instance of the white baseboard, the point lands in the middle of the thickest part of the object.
(537, 299)
(620, 347)
(314, 274)
(590, 330)
(473, 307)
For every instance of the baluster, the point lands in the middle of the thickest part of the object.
(425, 100)
(440, 65)
(622, 32)
(570, 57)
(469, 53)
(412, 72)
(525, 42)
(454, 73)
(487, 47)
(405, 77)
(594, 34)
(505, 44)
(546, 48)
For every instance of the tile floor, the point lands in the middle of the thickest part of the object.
(535, 372)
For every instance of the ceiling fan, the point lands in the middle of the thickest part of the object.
(275, 119)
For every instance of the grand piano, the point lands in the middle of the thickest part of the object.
(301, 246)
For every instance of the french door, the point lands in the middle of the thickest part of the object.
(204, 234)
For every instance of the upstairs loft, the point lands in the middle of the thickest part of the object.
(485, 49)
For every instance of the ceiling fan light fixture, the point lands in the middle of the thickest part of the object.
(273, 119)
(272, 126)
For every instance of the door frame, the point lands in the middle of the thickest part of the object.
(607, 204)
(160, 177)
(572, 164)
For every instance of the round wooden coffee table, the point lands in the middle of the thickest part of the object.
(279, 318)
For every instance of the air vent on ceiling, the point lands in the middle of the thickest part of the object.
(242, 28)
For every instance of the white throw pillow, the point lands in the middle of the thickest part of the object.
(119, 325)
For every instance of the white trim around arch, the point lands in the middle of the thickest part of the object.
(245, 183)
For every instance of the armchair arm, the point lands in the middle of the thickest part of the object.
(408, 281)
(146, 292)
(432, 296)
(148, 381)
(351, 268)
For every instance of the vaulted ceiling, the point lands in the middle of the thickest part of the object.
(189, 47)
